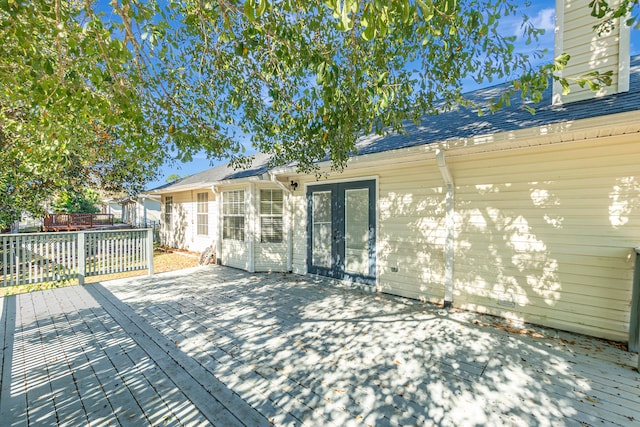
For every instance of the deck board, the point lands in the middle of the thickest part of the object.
(217, 346)
(242, 332)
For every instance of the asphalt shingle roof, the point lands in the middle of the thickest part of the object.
(217, 174)
(465, 123)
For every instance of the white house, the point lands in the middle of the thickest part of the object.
(529, 217)
(142, 210)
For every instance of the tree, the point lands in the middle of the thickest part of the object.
(70, 111)
(303, 79)
(85, 200)
(172, 177)
(609, 12)
(102, 95)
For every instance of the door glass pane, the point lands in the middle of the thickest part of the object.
(321, 233)
(356, 212)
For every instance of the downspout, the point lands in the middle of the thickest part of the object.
(216, 191)
(289, 212)
(449, 246)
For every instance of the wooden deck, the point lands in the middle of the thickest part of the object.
(217, 346)
(76, 222)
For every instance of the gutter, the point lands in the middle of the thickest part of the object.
(449, 246)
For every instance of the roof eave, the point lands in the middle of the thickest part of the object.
(552, 133)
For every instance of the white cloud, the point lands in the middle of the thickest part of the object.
(545, 19)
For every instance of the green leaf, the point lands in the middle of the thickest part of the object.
(262, 6)
(321, 72)
(369, 33)
(250, 10)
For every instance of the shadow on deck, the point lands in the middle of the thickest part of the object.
(218, 346)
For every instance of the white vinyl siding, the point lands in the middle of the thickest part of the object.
(412, 232)
(185, 217)
(299, 231)
(544, 235)
(271, 257)
(589, 52)
(235, 253)
(233, 211)
(203, 214)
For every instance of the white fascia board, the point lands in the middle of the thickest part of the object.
(205, 185)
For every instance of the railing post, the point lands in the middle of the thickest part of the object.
(16, 245)
(82, 259)
(150, 250)
(634, 321)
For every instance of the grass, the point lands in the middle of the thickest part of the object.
(163, 260)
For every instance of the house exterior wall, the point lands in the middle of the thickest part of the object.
(114, 209)
(152, 208)
(252, 254)
(236, 254)
(182, 233)
(545, 235)
(589, 51)
(411, 214)
(298, 209)
(410, 227)
(542, 234)
(271, 256)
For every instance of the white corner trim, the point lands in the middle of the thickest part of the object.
(558, 48)
(219, 222)
(624, 54)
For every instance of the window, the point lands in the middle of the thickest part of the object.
(233, 215)
(168, 212)
(271, 216)
(203, 214)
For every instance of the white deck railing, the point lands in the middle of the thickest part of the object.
(51, 257)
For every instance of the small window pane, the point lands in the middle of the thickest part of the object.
(233, 215)
(203, 214)
(168, 212)
(271, 222)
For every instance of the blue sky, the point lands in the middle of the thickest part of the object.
(541, 12)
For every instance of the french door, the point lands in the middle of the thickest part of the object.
(342, 230)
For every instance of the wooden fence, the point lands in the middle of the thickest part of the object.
(51, 257)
